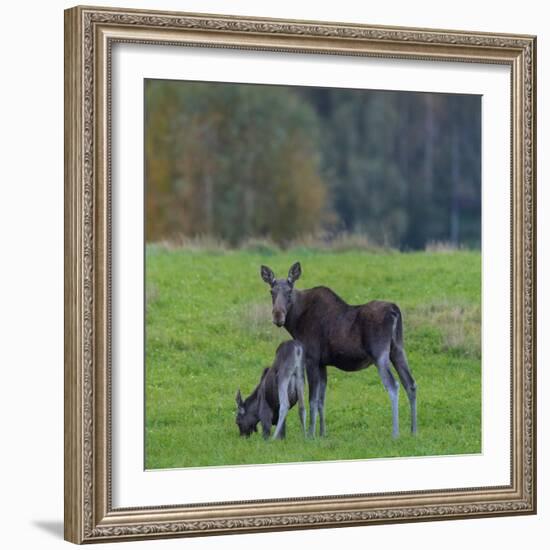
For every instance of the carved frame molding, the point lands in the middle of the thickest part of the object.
(89, 35)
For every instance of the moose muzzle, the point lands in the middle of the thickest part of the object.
(279, 317)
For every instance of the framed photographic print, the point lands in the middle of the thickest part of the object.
(300, 274)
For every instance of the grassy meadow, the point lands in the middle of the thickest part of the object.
(209, 332)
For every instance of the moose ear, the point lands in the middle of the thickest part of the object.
(238, 398)
(267, 275)
(294, 272)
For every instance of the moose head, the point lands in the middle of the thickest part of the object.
(246, 419)
(281, 291)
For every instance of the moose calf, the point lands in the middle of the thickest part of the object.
(280, 387)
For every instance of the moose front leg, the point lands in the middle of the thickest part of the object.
(321, 406)
(301, 404)
(266, 418)
(314, 384)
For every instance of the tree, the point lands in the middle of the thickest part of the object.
(231, 161)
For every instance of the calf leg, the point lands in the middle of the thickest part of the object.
(266, 418)
(321, 406)
(392, 387)
(284, 405)
(399, 360)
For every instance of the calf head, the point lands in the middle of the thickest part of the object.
(281, 291)
(246, 420)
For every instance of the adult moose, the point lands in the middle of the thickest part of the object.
(348, 337)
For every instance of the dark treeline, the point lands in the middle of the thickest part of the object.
(239, 161)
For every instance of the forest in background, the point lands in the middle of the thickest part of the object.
(237, 162)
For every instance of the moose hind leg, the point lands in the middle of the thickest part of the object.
(392, 387)
(399, 360)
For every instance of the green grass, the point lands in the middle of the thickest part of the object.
(209, 332)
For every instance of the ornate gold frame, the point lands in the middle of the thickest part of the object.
(89, 34)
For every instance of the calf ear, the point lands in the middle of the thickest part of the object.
(267, 275)
(294, 272)
(238, 398)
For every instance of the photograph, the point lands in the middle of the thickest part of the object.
(312, 274)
